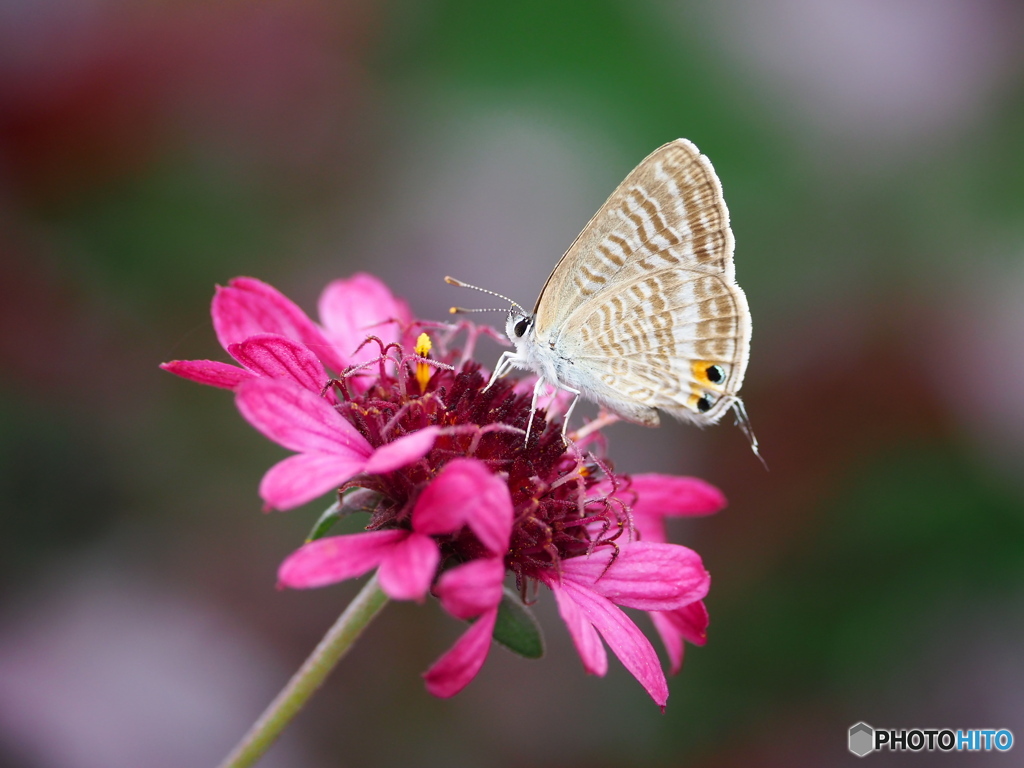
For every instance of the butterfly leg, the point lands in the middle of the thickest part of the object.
(568, 412)
(504, 363)
(533, 407)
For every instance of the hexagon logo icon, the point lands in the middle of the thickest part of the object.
(862, 739)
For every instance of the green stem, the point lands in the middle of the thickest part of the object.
(336, 643)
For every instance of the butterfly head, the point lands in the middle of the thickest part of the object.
(518, 326)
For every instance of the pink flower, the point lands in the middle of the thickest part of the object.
(331, 450)
(465, 494)
(456, 500)
(658, 497)
(655, 497)
(689, 623)
(272, 337)
(661, 496)
(358, 307)
(661, 577)
(467, 591)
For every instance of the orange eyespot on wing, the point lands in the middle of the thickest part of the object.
(708, 374)
(708, 379)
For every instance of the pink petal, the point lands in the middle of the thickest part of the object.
(305, 476)
(470, 589)
(334, 559)
(670, 496)
(355, 308)
(625, 639)
(453, 671)
(584, 636)
(277, 357)
(298, 419)
(403, 451)
(646, 575)
(248, 306)
(466, 492)
(208, 372)
(407, 572)
(660, 496)
(691, 621)
(671, 639)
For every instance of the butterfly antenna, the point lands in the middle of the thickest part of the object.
(463, 310)
(743, 422)
(453, 281)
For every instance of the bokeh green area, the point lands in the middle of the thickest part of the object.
(872, 161)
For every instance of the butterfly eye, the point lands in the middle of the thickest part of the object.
(521, 327)
(715, 374)
(705, 403)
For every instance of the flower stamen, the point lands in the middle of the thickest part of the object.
(423, 372)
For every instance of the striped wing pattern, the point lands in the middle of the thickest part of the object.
(645, 301)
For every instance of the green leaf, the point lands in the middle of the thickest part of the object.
(517, 629)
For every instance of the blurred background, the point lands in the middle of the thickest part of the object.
(872, 156)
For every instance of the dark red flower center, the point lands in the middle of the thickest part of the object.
(548, 483)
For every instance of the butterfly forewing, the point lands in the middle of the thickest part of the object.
(668, 212)
(645, 299)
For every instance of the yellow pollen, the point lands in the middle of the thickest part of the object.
(423, 371)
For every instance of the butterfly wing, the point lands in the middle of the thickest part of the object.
(667, 339)
(669, 208)
(644, 303)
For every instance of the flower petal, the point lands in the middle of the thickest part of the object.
(301, 478)
(691, 621)
(208, 372)
(654, 497)
(408, 570)
(670, 496)
(336, 558)
(472, 588)
(248, 306)
(466, 492)
(671, 639)
(403, 451)
(625, 639)
(453, 671)
(584, 636)
(277, 357)
(646, 575)
(298, 419)
(358, 307)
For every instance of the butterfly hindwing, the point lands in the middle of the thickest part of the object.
(664, 340)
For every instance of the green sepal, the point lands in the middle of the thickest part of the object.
(353, 500)
(517, 629)
(325, 522)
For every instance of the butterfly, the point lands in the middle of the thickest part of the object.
(643, 313)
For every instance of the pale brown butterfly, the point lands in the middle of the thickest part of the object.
(643, 311)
